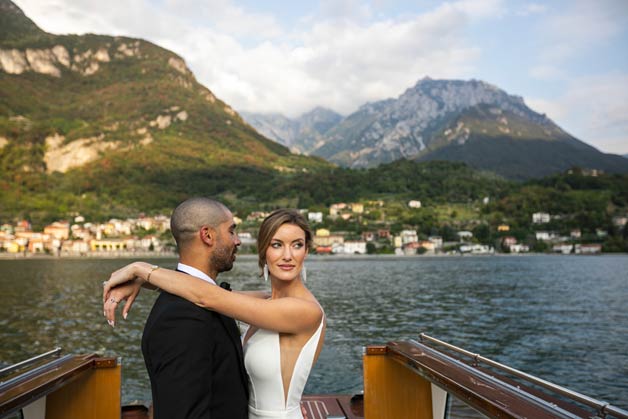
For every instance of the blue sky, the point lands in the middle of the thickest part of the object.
(568, 59)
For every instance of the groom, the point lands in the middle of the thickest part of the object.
(193, 355)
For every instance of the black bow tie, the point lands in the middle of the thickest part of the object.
(225, 285)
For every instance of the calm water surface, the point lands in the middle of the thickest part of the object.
(562, 318)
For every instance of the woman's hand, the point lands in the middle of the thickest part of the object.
(113, 296)
(114, 291)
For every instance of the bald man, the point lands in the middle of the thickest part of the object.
(193, 355)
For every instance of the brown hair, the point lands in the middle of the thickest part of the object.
(271, 224)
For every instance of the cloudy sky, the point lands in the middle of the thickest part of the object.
(568, 59)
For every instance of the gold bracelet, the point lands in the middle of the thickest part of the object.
(153, 268)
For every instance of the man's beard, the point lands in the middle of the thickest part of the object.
(222, 259)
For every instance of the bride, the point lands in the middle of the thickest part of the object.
(286, 331)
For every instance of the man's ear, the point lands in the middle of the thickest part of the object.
(207, 235)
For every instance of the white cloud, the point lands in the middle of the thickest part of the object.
(581, 26)
(338, 63)
(593, 109)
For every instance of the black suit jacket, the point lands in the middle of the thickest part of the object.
(194, 361)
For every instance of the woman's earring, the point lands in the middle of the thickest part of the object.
(265, 272)
(304, 274)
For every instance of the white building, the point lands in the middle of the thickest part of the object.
(414, 204)
(477, 249)
(519, 248)
(544, 236)
(316, 217)
(408, 236)
(540, 218)
(353, 247)
(437, 241)
(565, 249)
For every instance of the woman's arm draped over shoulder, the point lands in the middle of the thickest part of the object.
(286, 315)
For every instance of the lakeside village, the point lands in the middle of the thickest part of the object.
(375, 234)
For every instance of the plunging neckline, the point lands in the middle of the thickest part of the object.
(293, 387)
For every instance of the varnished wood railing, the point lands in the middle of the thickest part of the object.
(71, 386)
(414, 380)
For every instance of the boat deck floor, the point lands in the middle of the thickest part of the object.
(317, 407)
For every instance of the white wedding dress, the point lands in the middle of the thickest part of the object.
(262, 359)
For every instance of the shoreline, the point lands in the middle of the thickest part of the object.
(173, 255)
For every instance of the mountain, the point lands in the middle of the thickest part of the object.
(302, 134)
(101, 123)
(469, 121)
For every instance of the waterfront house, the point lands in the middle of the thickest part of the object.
(81, 232)
(437, 241)
(575, 233)
(476, 249)
(408, 236)
(107, 245)
(11, 246)
(150, 243)
(414, 204)
(519, 248)
(565, 249)
(59, 230)
(324, 238)
(75, 247)
(351, 247)
(588, 249)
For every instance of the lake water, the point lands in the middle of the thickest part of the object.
(562, 318)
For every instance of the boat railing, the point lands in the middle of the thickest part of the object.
(26, 363)
(603, 408)
(413, 379)
(53, 385)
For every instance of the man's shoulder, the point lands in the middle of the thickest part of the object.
(172, 305)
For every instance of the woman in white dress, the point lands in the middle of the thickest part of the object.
(286, 331)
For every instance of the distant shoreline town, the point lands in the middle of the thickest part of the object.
(149, 236)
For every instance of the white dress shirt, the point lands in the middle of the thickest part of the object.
(195, 272)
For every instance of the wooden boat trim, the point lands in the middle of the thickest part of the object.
(12, 368)
(481, 391)
(602, 407)
(30, 386)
